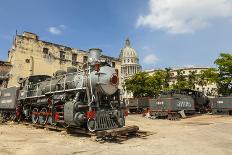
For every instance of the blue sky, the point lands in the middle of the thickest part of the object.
(165, 33)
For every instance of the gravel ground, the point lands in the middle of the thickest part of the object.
(199, 135)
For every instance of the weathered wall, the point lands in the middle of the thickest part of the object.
(29, 57)
(5, 68)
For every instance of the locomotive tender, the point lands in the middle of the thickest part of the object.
(221, 105)
(170, 104)
(138, 105)
(88, 98)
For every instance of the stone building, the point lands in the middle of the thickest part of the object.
(31, 56)
(207, 89)
(129, 66)
(5, 68)
(129, 60)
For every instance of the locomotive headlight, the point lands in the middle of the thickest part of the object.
(114, 79)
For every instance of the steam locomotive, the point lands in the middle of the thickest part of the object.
(87, 99)
(170, 104)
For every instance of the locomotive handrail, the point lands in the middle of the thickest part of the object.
(35, 91)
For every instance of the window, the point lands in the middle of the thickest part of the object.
(128, 60)
(74, 59)
(27, 60)
(113, 64)
(62, 55)
(85, 59)
(45, 51)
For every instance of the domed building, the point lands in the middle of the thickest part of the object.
(129, 66)
(129, 60)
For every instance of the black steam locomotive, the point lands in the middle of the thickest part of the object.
(87, 99)
(175, 104)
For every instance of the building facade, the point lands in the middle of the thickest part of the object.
(208, 89)
(31, 56)
(5, 68)
(129, 66)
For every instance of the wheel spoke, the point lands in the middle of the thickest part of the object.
(34, 116)
(43, 117)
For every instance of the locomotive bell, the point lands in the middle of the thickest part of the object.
(94, 55)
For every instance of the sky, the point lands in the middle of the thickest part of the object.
(165, 33)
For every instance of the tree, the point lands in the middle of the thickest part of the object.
(155, 83)
(136, 84)
(168, 77)
(224, 81)
(208, 76)
(142, 85)
(192, 79)
(182, 82)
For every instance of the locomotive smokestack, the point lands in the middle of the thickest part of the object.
(94, 55)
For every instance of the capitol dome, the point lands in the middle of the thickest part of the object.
(128, 51)
(129, 59)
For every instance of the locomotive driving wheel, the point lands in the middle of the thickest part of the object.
(173, 117)
(34, 115)
(43, 117)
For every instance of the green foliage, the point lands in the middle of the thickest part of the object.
(136, 84)
(182, 81)
(141, 84)
(154, 83)
(224, 79)
(167, 79)
(192, 79)
(209, 76)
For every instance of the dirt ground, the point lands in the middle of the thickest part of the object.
(199, 135)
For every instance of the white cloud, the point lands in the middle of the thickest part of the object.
(184, 16)
(58, 30)
(150, 59)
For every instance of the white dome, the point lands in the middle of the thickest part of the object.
(129, 60)
(128, 51)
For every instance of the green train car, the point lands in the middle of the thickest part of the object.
(221, 105)
(170, 104)
(138, 105)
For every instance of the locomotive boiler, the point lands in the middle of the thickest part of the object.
(87, 98)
